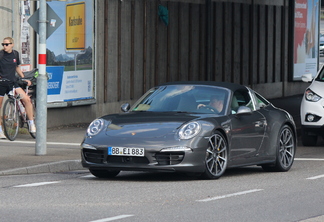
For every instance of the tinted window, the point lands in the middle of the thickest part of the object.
(243, 99)
(320, 77)
(261, 102)
(181, 98)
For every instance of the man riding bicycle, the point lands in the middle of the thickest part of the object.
(9, 65)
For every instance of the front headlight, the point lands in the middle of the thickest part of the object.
(189, 130)
(311, 96)
(95, 127)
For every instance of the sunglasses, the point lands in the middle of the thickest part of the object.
(5, 44)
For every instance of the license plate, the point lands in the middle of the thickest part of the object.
(125, 151)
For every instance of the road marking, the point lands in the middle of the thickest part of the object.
(314, 219)
(49, 143)
(311, 159)
(112, 218)
(316, 177)
(88, 176)
(37, 184)
(230, 195)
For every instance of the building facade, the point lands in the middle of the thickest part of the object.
(141, 43)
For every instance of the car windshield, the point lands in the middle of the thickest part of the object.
(320, 77)
(184, 98)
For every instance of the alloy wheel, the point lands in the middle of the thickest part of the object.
(216, 156)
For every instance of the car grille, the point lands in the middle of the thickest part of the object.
(93, 156)
(98, 156)
(127, 159)
(169, 158)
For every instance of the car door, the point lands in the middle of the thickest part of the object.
(247, 130)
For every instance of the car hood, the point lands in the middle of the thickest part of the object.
(145, 124)
(317, 87)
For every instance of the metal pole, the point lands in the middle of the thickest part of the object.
(75, 61)
(13, 13)
(41, 98)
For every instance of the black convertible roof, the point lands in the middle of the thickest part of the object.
(228, 85)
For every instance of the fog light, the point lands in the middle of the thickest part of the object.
(176, 149)
(310, 118)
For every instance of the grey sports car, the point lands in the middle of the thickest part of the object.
(199, 128)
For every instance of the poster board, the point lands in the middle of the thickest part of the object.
(306, 37)
(69, 55)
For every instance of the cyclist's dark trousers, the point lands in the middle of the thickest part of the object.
(5, 87)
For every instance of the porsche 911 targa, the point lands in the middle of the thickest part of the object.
(199, 128)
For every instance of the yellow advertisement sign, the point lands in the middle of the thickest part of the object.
(75, 26)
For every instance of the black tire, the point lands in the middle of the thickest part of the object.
(33, 101)
(308, 140)
(216, 157)
(285, 153)
(104, 173)
(10, 120)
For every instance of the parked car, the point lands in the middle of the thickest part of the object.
(321, 45)
(175, 127)
(312, 109)
(321, 48)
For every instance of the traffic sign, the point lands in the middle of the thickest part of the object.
(53, 21)
(75, 26)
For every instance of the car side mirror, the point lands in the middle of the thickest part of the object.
(243, 110)
(125, 107)
(307, 77)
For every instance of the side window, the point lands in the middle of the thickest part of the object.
(243, 99)
(261, 102)
(320, 77)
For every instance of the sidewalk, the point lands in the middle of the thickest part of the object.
(63, 146)
(62, 153)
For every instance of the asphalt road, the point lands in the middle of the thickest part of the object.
(245, 194)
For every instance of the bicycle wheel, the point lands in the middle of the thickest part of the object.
(33, 101)
(10, 120)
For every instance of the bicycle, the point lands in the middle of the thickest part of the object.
(14, 114)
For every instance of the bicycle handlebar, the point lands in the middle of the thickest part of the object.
(29, 75)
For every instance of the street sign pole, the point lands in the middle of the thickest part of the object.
(41, 98)
(40, 22)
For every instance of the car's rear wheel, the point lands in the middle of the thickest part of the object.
(216, 157)
(285, 153)
(104, 173)
(308, 140)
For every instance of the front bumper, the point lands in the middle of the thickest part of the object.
(316, 109)
(313, 130)
(189, 160)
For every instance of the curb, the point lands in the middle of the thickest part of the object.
(55, 167)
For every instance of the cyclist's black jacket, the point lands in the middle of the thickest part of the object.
(8, 65)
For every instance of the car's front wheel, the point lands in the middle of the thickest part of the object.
(285, 153)
(104, 173)
(216, 157)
